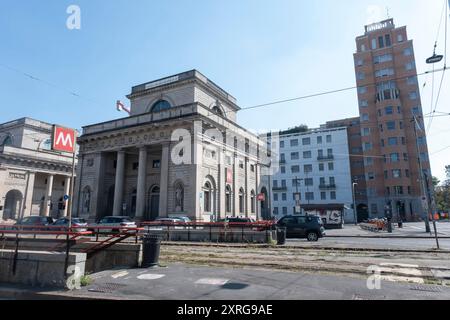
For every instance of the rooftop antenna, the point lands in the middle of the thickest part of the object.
(388, 13)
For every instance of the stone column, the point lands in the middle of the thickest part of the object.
(164, 182)
(67, 182)
(247, 209)
(221, 188)
(48, 195)
(118, 189)
(28, 197)
(141, 187)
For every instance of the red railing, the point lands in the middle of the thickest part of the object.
(211, 227)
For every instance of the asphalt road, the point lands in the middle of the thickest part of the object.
(179, 281)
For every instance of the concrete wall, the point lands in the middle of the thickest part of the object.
(127, 255)
(38, 268)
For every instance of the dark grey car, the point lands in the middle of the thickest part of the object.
(309, 227)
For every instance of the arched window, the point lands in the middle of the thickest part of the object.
(207, 197)
(217, 111)
(46, 144)
(7, 141)
(86, 200)
(228, 199)
(252, 201)
(241, 200)
(160, 105)
(179, 197)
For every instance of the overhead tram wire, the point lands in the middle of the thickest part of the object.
(50, 84)
(445, 9)
(324, 93)
(245, 108)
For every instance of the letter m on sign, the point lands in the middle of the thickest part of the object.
(63, 139)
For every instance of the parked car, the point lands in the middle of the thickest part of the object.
(78, 224)
(309, 227)
(28, 222)
(184, 219)
(163, 223)
(237, 220)
(115, 222)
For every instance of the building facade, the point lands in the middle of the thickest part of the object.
(314, 171)
(180, 153)
(33, 177)
(390, 110)
(358, 175)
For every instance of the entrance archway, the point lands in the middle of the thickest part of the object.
(153, 205)
(109, 203)
(13, 204)
(362, 212)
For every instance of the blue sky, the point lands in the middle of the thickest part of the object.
(259, 51)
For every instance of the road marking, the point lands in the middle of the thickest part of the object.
(212, 281)
(150, 276)
(119, 274)
(404, 279)
(406, 271)
(399, 265)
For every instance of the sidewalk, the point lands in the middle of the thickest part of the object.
(409, 230)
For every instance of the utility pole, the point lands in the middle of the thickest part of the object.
(354, 203)
(422, 182)
(433, 207)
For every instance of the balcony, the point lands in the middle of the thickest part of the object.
(279, 188)
(329, 157)
(327, 186)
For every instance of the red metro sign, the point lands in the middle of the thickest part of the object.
(63, 139)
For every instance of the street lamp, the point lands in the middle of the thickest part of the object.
(354, 203)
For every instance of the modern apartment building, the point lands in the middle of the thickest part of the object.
(390, 109)
(356, 156)
(314, 170)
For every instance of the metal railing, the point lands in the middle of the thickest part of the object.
(211, 228)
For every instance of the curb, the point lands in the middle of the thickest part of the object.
(389, 237)
(223, 245)
(22, 293)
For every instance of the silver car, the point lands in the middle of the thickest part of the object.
(78, 224)
(119, 224)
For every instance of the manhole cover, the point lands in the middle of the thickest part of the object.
(107, 287)
(427, 288)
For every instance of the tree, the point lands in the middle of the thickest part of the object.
(442, 194)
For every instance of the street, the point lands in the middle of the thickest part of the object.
(180, 281)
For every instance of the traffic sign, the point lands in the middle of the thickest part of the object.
(66, 197)
(435, 59)
(63, 139)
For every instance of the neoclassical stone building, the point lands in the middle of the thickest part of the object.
(33, 177)
(179, 153)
